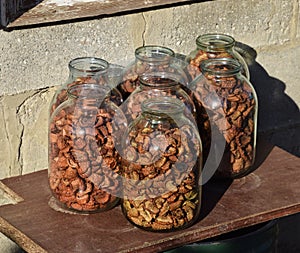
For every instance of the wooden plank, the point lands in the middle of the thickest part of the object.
(17, 236)
(49, 11)
(270, 192)
(8, 196)
(12, 9)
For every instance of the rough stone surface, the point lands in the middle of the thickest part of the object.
(297, 22)
(33, 117)
(38, 58)
(10, 135)
(32, 61)
(24, 132)
(256, 23)
(284, 65)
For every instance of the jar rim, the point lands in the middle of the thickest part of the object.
(154, 53)
(88, 65)
(221, 66)
(158, 80)
(163, 105)
(88, 90)
(215, 41)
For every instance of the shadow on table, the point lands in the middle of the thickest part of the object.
(278, 124)
(212, 192)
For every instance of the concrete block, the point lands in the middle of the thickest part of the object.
(256, 23)
(32, 60)
(10, 134)
(37, 58)
(33, 116)
(297, 21)
(283, 64)
(24, 132)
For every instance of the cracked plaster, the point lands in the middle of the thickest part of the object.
(34, 59)
(33, 116)
(24, 132)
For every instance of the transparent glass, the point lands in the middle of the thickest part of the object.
(157, 84)
(212, 46)
(88, 70)
(231, 103)
(161, 163)
(149, 59)
(83, 161)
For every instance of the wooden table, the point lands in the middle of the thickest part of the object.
(270, 192)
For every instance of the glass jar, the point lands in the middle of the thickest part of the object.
(149, 59)
(87, 70)
(161, 164)
(231, 103)
(157, 84)
(211, 46)
(83, 161)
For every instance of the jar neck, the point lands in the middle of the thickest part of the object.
(88, 94)
(163, 107)
(215, 42)
(159, 81)
(87, 67)
(154, 54)
(221, 67)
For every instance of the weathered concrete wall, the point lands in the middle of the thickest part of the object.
(33, 60)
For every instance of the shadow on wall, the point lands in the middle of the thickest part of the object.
(278, 114)
(278, 123)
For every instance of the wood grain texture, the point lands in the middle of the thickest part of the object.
(8, 194)
(270, 192)
(49, 11)
(11, 10)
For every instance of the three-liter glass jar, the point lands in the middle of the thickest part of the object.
(83, 161)
(231, 103)
(148, 59)
(156, 84)
(161, 164)
(212, 46)
(84, 70)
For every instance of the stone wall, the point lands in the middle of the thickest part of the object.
(33, 62)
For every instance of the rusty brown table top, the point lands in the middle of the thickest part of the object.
(270, 192)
